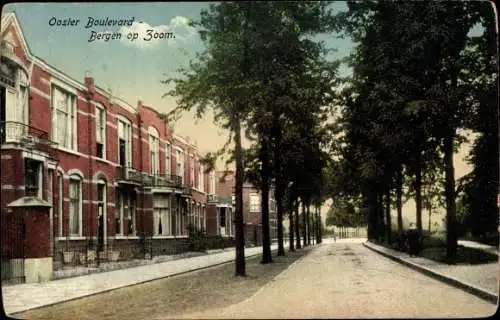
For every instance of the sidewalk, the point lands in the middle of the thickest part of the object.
(23, 297)
(480, 280)
(477, 245)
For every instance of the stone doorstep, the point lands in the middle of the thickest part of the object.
(470, 288)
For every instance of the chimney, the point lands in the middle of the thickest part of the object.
(139, 104)
(89, 82)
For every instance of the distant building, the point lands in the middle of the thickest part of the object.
(251, 206)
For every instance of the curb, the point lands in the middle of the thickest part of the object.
(137, 283)
(472, 289)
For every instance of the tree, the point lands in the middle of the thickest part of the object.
(218, 79)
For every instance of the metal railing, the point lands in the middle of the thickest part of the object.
(12, 132)
(213, 198)
(129, 174)
(163, 180)
(187, 190)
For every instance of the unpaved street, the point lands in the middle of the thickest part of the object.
(347, 280)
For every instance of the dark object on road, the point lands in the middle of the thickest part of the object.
(414, 240)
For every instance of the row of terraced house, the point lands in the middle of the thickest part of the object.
(85, 173)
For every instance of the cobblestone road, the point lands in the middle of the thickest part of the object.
(347, 280)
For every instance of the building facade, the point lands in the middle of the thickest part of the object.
(252, 214)
(113, 175)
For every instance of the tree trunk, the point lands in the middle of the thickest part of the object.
(279, 209)
(291, 228)
(318, 224)
(418, 190)
(304, 223)
(388, 215)
(399, 203)
(308, 219)
(238, 215)
(380, 211)
(451, 236)
(265, 174)
(297, 224)
(430, 215)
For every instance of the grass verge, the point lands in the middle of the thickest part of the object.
(192, 292)
(434, 248)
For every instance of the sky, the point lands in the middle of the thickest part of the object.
(133, 70)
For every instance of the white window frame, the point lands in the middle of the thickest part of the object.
(16, 101)
(154, 150)
(254, 202)
(60, 187)
(127, 124)
(201, 181)
(168, 158)
(39, 173)
(212, 182)
(179, 163)
(102, 182)
(162, 213)
(72, 179)
(101, 127)
(69, 141)
(191, 170)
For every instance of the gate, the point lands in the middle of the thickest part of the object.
(13, 232)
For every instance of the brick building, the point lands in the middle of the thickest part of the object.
(251, 206)
(110, 175)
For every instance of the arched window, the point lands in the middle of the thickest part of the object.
(154, 148)
(75, 205)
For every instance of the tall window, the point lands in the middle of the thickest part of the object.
(60, 203)
(75, 206)
(154, 148)
(124, 142)
(180, 164)
(200, 178)
(125, 212)
(101, 201)
(100, 122)
(15, 99)
(33, 177)
(64, 118)
(191, 168)
(168, 161)
(254, 201)
(162, 223)
(211, 186)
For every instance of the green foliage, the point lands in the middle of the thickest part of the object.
(343, 213)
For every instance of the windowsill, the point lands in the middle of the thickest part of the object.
(196, 189)
(73, 152)
(120, 237)
(102, 160)
(71, 238)
(170, 237)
